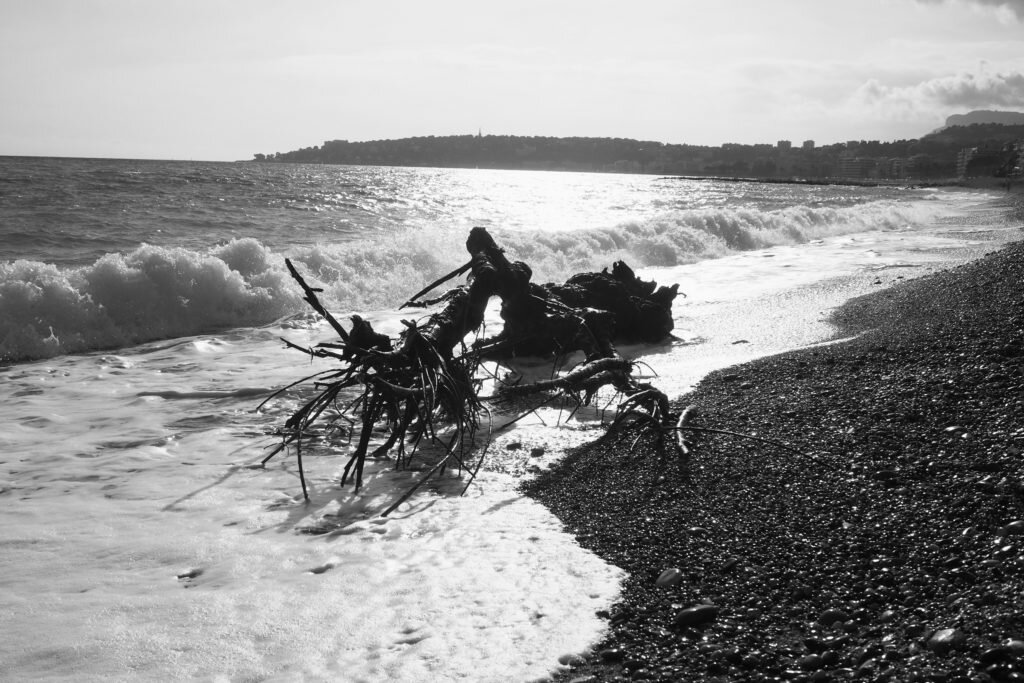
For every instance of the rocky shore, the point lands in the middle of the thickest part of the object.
(887, 545)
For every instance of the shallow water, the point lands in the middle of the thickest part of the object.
(141, 540)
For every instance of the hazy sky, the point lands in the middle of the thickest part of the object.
(224, 79)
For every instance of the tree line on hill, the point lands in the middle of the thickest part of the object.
(996, 151)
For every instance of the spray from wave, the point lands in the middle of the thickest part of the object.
(124, 299)
(695, 235)
(153, 292)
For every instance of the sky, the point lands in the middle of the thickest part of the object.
(225, 79)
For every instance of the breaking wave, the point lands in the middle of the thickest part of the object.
(152, 292)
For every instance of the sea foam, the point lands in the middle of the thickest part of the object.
(156, 292)
(149, 293)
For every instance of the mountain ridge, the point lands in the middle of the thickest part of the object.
(1002, 118)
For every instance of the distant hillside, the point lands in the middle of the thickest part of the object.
(931, 157)
(975, 135)
(1003, 118)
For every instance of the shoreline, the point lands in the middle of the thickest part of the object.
(886, 550)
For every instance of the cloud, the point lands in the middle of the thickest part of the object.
(1004, 8)
(957, 91)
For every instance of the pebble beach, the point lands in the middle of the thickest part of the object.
(873, 532)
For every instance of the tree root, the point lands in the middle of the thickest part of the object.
(418, 389)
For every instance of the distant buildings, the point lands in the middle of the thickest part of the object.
(990, 160)
(953, 152)
(853, 166)
(963, 158)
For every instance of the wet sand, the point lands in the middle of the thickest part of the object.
(888, 544)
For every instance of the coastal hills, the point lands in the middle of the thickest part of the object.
(1005, 118)
(979, 144)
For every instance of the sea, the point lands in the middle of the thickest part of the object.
(143, 308)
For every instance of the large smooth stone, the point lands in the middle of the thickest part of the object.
(944, 640)
(696, 616)
(669, 577)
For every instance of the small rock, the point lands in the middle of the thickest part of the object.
(1005, 551)
(810, 662)
(1012, 350)
(802, 592)
(623, 615)
(696, 616)
(751, 661)
(669, 577)
(1016, 646)
(1013, 528)
(986, 484)
(944, 640)
(730, 564)
(994, 655)
(832, 616)
(536, 452)
(867, 670)
(514, 446)
(571, 660)
(612, 655)
(814, 644)
(632, 664)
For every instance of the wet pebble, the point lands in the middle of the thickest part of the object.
(632, 664)
(994, 655)
(832, 616)
(1013, 528)
(944, 640)
(612, 655)
(810, 662)
(669, 577)
(886, 616)
(697, 615)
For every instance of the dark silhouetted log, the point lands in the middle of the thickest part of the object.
(424, 383)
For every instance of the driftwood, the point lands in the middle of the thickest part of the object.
(423, 387)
